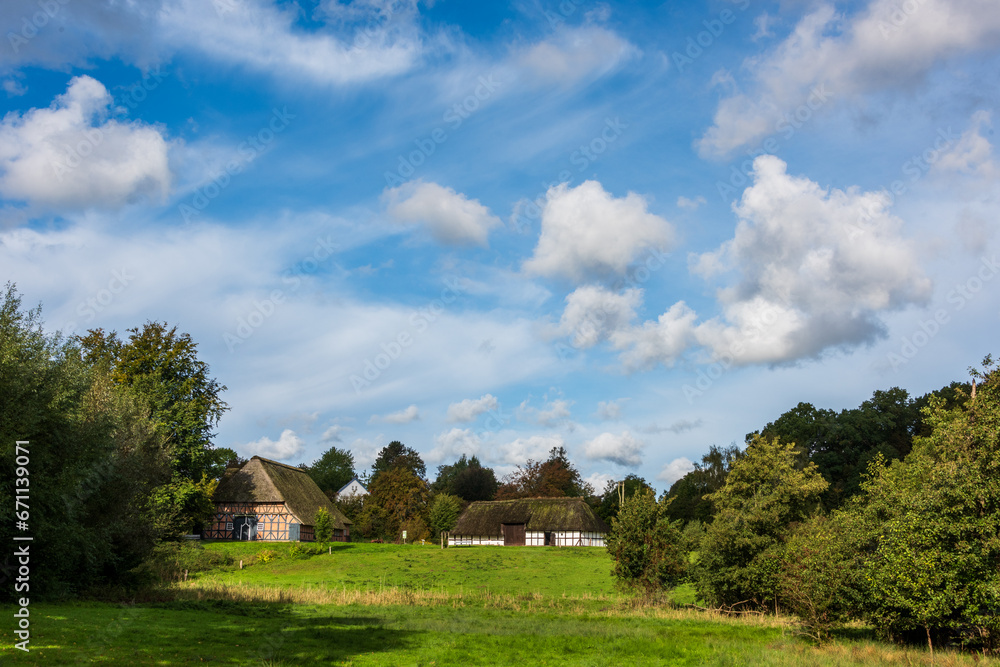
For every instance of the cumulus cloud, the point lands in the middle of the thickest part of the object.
(536, 448)
(454, 443)
(674, 470)
(72, 155)
(973, 153)
(610, 410)
(598, 481)
(286, 447)
(449, 216)
(809, 269)
(815, 268)
(586, 232)
(573, 53)
(468, 409)
(551, 414)
(661, 341)
(593, 313)
(684, 202)
(404, 416)
(623, 449)
(828, 55)
(333, 434)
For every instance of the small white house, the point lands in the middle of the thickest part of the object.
(352, 488)
(533, 522)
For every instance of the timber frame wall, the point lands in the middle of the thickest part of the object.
(558, 538)
(273, 521)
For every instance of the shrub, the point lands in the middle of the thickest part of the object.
(323, 525)
(444, 512)
(646, 547)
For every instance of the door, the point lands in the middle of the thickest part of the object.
(293, 531)
(513, 534)
(245, 528)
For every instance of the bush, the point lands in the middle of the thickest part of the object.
(323, 525)
(170, 560)
(646, 547)
(444, 512)
(819, 580)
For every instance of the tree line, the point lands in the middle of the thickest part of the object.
(888, 514)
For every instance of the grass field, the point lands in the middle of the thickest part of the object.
(412, 605)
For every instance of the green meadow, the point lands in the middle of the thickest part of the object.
(374, 604)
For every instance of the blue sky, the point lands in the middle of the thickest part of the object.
(634, 230)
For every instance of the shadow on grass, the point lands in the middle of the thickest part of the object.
(231, 632)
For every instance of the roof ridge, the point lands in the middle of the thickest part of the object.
(278, 463)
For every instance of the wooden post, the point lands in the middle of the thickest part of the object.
(331, 547)
(241, 563)
(442, 539)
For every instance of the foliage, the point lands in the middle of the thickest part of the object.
(332, 470)
(820, 580)
(323, 525)
(555, 477)
(646, 547)
(930, 526)
(222, 458)
(180, 507)
(397, 455)
(765, 492)
(444, 513)
(93, 460)
(467, 479)
(610, 499)
(168, 561)
(688, 496)
(351, 507)
(162, 366)
(395, 496)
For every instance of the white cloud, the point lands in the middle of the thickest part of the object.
(366, 450)
(71, 155)
(573, 53)
(660, 341)
(404, 416)
(468, 409)
(287, 446)
(598, 481)
(449, 216)
(387, 46)
(623, 449)
(678, 427)
(815, 268)
(827, 55)
(610, 410)
(535, 447)
(452, 444)
(552, 414)
(684, 202)
(973, 153)
(593, 313)
(674, 470)
(333, 434)
(587, 232)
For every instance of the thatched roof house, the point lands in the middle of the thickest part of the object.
(267, 500)
(563, 522)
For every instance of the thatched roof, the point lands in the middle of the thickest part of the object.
(265, 481)
(538, 514)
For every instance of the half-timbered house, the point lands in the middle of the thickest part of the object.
(270, 501)
(557, 522)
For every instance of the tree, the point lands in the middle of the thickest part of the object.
(396, 496)
(161, 365)
(323, 525)
(687, 496)
(466, 478)
(646, 547)
(764, 493)
(91, 455)
(332, 470)
(444, 513)
(398, 455)
(610, 499)
(555, 477)
(929, 526)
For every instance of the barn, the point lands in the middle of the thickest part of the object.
(533, 522)
(270, 501)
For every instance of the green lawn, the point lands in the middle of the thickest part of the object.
(412, 605)
(553, 572)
